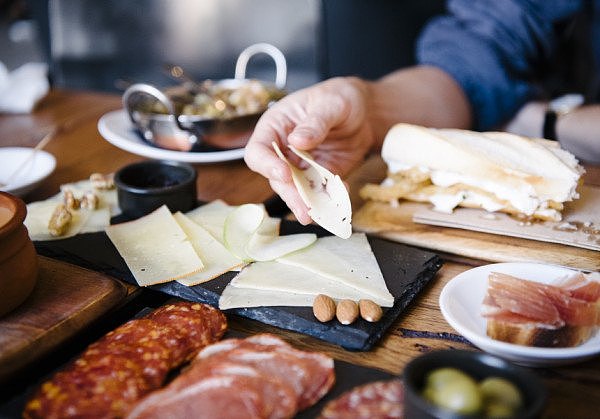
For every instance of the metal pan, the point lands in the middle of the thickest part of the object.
(212, 115)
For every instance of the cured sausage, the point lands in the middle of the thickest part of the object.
(115, 372)
(377, 400)
(257, 377)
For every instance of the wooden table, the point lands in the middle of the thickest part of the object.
(574, 391)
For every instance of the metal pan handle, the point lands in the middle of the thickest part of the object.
(273, 52)
(147, 89)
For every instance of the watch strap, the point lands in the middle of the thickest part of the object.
(549, 129)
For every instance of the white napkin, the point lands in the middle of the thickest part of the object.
(23, 87)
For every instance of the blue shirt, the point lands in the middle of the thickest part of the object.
(495, 48)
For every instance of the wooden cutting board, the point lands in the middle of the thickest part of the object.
(396, 224)
(66, 299)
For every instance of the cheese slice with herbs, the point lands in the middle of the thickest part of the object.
(155, 248)
(216, 258)
(323, 193)
(350, 261)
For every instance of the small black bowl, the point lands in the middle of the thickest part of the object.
(479, 366)
(145, 186)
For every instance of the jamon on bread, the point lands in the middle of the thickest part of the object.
(564, 314)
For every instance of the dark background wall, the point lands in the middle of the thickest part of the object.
(91, 44)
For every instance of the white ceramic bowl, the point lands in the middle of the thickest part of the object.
(35, 169)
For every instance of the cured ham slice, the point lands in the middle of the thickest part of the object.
(257, 377)
(309, 374)
(565, 313)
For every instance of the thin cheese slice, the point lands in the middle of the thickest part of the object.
(39, 214)
(97, 220)
(212, 217)
(216, 258)
(323, 193)
(289, 279)
(233, 297)
(351, 262)
(155, 248)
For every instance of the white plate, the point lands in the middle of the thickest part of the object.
(117, 129)
(26, 167)
(460, 303)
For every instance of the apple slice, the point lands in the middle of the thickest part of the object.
(323, 193)
(240, 225)
(262, 247)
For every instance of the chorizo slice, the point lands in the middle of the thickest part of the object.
(114, 373)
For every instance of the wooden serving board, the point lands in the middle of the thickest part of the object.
(396, 224)
(65, 300)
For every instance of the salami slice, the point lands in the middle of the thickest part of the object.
(114, 373)
(377, 400)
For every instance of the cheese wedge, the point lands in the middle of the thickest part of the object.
(293, 280)
(155, 248)
(234, 297)
(350, 262)
(323, 193)
(216, 258)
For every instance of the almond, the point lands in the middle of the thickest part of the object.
(370, 311)
(347, 311)
(324, 308)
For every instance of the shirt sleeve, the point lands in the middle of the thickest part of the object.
(492, 48)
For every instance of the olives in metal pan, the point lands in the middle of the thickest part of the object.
(453, 390)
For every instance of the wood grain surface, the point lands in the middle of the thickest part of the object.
(573, 390)
(64, 301)
(395, 223)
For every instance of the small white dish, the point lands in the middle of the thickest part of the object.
(460, 303)
(35, 168)
(117, 129)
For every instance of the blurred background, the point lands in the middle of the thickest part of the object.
(106, 44)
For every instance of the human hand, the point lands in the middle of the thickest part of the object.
(329, 120)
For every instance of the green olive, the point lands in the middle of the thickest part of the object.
(440, 377)
(498, 410)
(460, 396)
(497, 390)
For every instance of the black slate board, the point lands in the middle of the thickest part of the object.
(406, 271)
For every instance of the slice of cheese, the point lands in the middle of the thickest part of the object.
(351, 262)
(289, 279)
(323, 193)
(39, 214)
(216, 258)
(155, 248)
(233, 297)
(212, 217)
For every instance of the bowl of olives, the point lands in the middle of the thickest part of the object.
(460, 384)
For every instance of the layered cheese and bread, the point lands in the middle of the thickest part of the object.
(495, 171)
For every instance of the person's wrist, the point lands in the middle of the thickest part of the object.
(556, 110)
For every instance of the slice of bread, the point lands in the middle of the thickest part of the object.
(536, 334)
